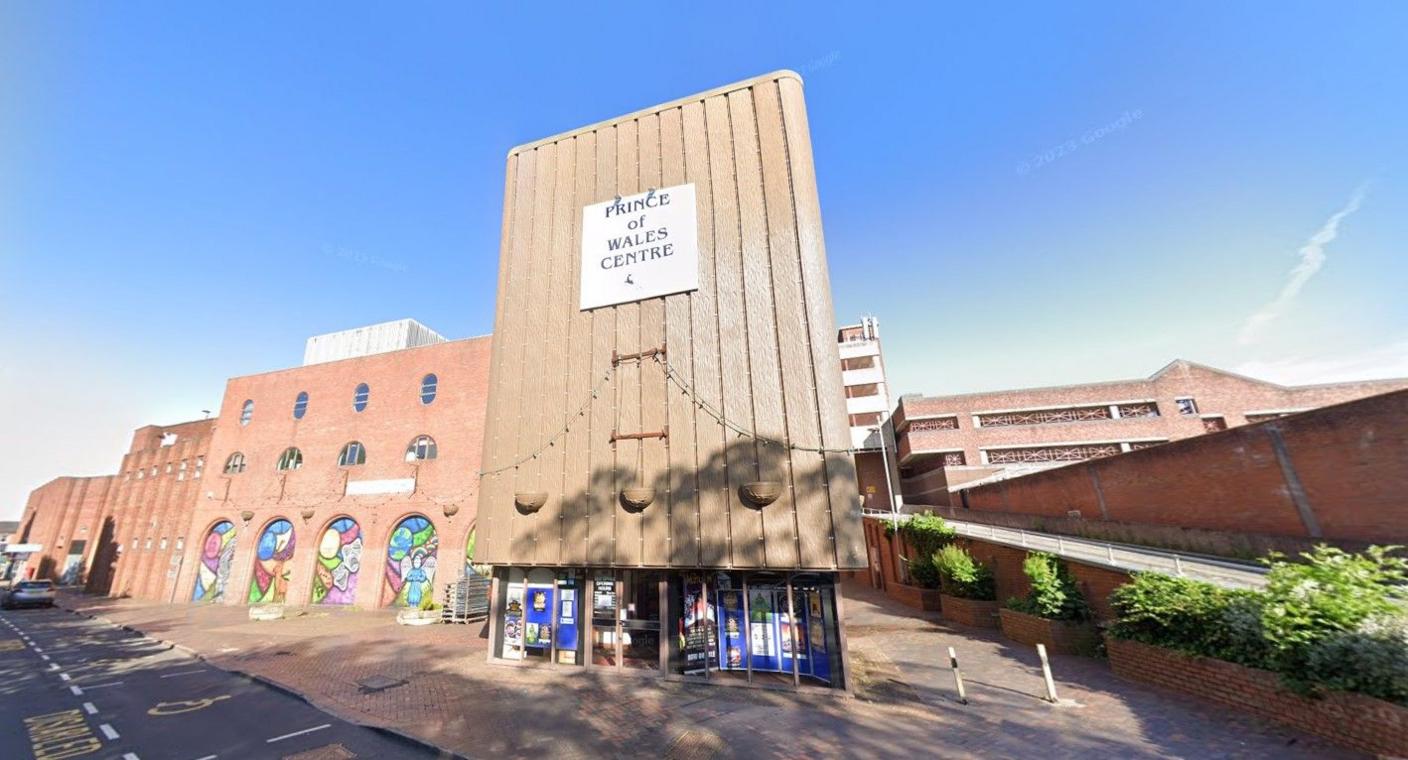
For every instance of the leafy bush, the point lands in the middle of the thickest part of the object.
(924, 572)
(1054, 594)
(962, 576)
(1372, 660)
(926, 533)
(1334, 621)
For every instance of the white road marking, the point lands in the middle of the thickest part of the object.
(44, 657)
(89, 708)
(64, 677)
(108, 731)
(105, 685)
(53, 666)
(208, 757)
(183, 673)
(37, 649)
(131, 756)
(298, 733)
(77, 692)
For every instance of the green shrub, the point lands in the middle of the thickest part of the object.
(1334, 621)
(1372, 660)
(1054, 594)
(962, 576)
(923, 572)
(926, 533)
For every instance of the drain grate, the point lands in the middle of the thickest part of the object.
(374, 684)
(695, 744)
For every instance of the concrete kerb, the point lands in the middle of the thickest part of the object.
(333, 710)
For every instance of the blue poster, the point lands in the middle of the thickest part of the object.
(538, 614)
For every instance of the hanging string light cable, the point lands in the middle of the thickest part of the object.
(674, 377)
(581, 412)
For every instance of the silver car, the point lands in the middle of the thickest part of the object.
(30, 594)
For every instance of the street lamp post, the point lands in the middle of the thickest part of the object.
(885, 463)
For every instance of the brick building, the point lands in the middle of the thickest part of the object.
(372, 446)
(867, 405)
(63, 517)
(945, 442)
(317, 470)
(144, 520)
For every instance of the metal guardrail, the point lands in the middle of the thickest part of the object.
(1118, 556)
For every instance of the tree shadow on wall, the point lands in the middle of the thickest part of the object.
(602, 517)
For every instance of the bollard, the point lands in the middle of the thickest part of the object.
(1046, 673)
(957, 676)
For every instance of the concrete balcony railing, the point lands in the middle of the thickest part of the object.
(853, 348)
(865, 376)
(865, 404)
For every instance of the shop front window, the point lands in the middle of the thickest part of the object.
(760, 628)
(541, 616)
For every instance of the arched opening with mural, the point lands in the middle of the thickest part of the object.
(339, 561)
(268, 584)
(217, 554)
(410, 563)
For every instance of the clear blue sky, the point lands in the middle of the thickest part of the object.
(186, 193)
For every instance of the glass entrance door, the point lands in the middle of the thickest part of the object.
(626, 619)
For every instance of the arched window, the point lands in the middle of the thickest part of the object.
(216, 556)
(339, 560)
(422, 447)
(268, 581)
(410, 562)
(353, 453)
(247, 411)
(291, 459)
(300, 405)
(428, 385)
(234, 465)
(360, 397)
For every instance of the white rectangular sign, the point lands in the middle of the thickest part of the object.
(377, 487)
(639, 246)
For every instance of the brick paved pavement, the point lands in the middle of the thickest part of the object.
(904, 704)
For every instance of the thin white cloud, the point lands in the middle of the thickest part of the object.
(1312, 258)
(1386, 361)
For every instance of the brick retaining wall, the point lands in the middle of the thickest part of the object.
(970, 612)
(1059, 636)
(1352, 720)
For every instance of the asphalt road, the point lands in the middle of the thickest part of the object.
(74, 687)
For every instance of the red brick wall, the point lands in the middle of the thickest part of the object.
(394, 416)
(149, 510)
(870, 477)
(1096, 583)
(1216, 393)
(58, 513)
(1348, 458)
(1351, 720)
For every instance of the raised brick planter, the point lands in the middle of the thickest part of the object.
(914, 596)
(1059, 636)
(1351, 720)
(969, 611)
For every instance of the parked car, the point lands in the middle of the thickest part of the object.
(30, 594)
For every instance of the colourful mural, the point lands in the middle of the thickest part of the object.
(269, 584)
(410, 562)
(469, 567)
(216, 556)
(339, 559)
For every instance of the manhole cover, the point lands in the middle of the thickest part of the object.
(330, 752)
(375, 684)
